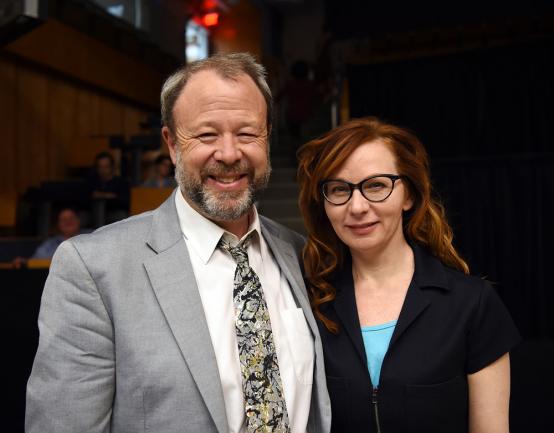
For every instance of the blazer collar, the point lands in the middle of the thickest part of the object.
(288, 261)
(429, 273)
(346, 309)
(172, 278)
(165, 231)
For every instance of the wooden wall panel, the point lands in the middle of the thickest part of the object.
(8, 103)
(62, 125)
(97, 117)
(87, 120)
(111, 123)
(48, 125)
(239, 30)
(132, 118)
(111, 117)
(32, 139)
(72, 53)
(55, 105)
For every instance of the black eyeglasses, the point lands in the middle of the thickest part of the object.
(375, 188)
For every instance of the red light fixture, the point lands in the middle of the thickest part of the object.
(208, 5)
(211, 19)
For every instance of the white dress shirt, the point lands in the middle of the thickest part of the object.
(214, 271)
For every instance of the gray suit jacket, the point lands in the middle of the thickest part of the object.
(124, 344)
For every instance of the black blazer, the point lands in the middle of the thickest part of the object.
(450, 325)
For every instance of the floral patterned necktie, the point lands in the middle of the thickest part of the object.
(264, 402)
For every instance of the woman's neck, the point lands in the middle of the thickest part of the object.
(375, 268)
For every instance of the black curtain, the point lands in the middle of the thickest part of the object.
(494, 101)
(487, 120)
(501, 211)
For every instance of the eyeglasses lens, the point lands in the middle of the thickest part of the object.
(377, 188)
(374, 189)
(336, 192)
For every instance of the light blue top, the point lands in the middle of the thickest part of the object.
(376, 343)
(47, 248)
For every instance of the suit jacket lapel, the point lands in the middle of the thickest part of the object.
(345, 306)
(174, 284)
(347, 311)
(414, 304)
(429, 274)
(287, 260)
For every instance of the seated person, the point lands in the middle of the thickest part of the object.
(163, 174)
(68, 225)
(105, 184)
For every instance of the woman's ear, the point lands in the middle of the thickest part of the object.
(408, 201)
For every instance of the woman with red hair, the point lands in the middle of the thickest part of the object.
(412, 342)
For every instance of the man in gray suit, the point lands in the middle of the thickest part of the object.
(159, 322)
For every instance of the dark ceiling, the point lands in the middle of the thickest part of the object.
(359, 18)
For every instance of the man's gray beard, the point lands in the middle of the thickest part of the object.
(215, 204)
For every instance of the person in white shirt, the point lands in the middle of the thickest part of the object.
(193, 317)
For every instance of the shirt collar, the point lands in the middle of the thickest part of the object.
(429, 271)
(204, 235)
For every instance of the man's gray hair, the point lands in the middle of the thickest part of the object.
(228, 66)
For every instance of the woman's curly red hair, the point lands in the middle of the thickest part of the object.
(319, 159)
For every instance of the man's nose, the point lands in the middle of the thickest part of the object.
(228, 150)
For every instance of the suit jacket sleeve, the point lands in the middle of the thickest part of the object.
(72, 382)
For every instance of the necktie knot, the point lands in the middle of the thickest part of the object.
(238, 252)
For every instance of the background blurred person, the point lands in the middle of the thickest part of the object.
(68, 225)
(411, 341)
(163, 176)
(105, 184)
(301, 96)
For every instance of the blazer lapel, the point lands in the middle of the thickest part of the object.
(415, 303)
(174, 284)
(429, 273)
(287, 260)
(347, 311)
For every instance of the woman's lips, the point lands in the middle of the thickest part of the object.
(362, 229)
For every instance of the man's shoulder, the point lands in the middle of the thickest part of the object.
(129, 230)
(283, 232)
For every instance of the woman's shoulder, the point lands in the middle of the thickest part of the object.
(459, 287)
(430, 269)
(461, 281)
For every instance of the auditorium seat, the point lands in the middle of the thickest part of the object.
(144, 199)
(8, 211)
(11, 247)
(55, 193)
(38, 263)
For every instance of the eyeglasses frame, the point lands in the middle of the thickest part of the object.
(358, 186)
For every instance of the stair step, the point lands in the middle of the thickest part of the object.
(281, 190)
(281, 208)
(283, 174)
(279, 161)
(293, 223)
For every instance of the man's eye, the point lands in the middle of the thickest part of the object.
(207, 136)
(246, 136)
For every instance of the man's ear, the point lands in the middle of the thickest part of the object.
(171, 143)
